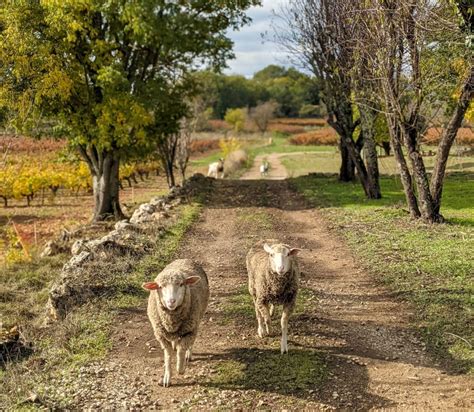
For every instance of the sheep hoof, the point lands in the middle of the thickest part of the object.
(261, 332)
(166, 381)
(284, 348)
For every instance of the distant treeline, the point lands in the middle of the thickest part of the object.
(296, 93)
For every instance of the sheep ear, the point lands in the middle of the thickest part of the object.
(191, 280)
(294, 251)
(267, 248)
(150, 286)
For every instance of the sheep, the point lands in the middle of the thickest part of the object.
(177, 302)
(215, 168)
(273, 279)
(264, 168)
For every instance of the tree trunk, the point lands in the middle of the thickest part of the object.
(169, 171)
(405, 175)
(386, 148)
(447, 140)
(106, 188)
(104, 168)
(347, 170)
(425, 201)
(367, 118)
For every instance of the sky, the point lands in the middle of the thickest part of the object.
(252, 53)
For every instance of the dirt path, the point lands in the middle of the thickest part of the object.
(350, 344)
(276, 172)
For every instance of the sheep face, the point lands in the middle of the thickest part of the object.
(171, 291)
(279, 256)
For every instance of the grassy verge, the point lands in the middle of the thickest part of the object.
(84, 336)
(430, 266)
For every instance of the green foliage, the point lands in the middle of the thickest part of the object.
(112, 77)
(289, 88)
(236, 118)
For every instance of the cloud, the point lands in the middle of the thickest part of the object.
(252, 52)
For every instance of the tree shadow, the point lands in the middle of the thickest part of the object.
(303, 374)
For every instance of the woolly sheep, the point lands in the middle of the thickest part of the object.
(264, 168)
(177, 302)
(215, 168)
(273, 280)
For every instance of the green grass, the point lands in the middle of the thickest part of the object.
(84, 335)
(269, 371)
(254, 220)
(316, 162)
(431, 266)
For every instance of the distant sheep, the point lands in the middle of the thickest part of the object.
(273, 280)
(177, 302)
(264, 168)
(216, 168)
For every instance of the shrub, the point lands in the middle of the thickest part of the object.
(229, 145)
(464, 136)
(325, 136)
(204, 145)
(236, 118)
(218, 125)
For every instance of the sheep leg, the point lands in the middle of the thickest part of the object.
(184, 346)
(260, 329)
(265, 314)
(287, 311)
(189, 355)
(167, 350)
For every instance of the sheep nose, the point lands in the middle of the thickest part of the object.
(171, 301)
(281, 268)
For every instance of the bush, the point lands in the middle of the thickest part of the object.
(235, 161)
(228, 146)
(218, 125)
(325, 136)
(464, 136)
(204, 145)
(236, 118)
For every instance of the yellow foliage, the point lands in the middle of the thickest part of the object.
(228, 146)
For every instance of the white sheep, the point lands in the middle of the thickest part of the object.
(273, 279)
(215, 168)
(264, 168)
(177, 302)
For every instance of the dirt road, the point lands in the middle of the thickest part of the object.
(350, 346)
(276, 171)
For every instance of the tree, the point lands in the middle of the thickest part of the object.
(236, 118)
(319, 33)
(416, 41)
(263, 113)
(101, 72)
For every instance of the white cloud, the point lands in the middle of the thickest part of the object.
(252, 52)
